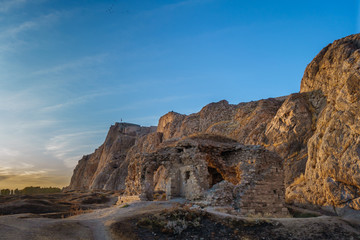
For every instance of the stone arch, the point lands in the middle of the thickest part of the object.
(148, 187)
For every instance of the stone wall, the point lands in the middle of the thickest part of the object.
(265, 197)
(195, 167)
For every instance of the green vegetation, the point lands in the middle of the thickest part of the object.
(30, 190)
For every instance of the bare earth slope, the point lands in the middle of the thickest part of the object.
(172, 220)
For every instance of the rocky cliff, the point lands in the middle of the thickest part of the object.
(332, 175)
(106, 168)
(309, 140)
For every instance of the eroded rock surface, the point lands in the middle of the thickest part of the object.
(106, 168)
(200, 166)
(315, 133)
(333, 169)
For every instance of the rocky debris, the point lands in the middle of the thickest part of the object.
(332, 175)
(186, 222)
(221, 194)
(106, 167)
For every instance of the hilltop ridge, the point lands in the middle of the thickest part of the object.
(311, 140)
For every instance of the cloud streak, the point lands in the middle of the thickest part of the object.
(74, 101)
(13, 31)
(11, 38)
(70, 147)
(73, 65)
(7, 5)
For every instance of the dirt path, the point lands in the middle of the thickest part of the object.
(95, 225)
(99, 220)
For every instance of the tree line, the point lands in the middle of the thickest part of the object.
(29, 191)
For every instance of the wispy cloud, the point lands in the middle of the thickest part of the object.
(20, 100)
(21, 169)
(72, 65)
(14, 30)
(69, 147)
(7, 5)
(74, 101)
(9, 152)
(12, 39)
(33, 179)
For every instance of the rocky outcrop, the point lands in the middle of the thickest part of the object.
(332, 174)
(315, 133)
(281, 124)
(106, 168)
(245, 122)
(288, 133)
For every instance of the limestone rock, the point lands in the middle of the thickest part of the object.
(221, 194)
(196, 167)
(170, 124)
(245, 122)
(311, 137)
(249, 121)
(333, 169)
(288, 133)
(103, 168)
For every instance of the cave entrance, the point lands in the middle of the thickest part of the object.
(214, 176)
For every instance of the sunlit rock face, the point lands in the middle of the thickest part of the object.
(211, 167)
(281, 124)
(106, 168)
(333, 169)
(315, 134)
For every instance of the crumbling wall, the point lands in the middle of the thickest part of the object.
(252, 175)
(264, 197)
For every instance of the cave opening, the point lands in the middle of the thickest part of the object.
(214, 176)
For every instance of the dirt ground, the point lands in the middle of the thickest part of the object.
(174, 219)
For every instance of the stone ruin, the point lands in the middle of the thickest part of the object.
(316, 133)
(251, 177)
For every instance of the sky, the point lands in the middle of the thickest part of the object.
(70, 69)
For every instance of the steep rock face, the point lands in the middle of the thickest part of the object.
(249, 121)
(288, 133)
(170, 124)
(333, 168)
(316, 133)
(281, 124)
(245, 122)
(105, 167)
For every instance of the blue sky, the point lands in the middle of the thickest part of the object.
(70, 69)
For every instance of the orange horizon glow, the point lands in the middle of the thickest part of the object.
(20, 182)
